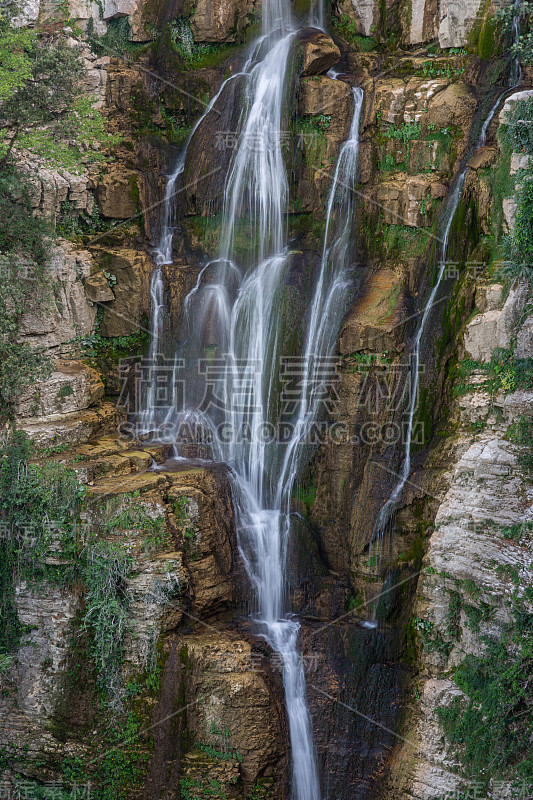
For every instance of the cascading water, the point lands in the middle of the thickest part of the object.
(450, 207)
(232, 322)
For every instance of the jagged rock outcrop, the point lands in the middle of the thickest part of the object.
(68, 313)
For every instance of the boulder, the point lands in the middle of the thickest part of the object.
(319, 51)
(117, 193)
(323, 95)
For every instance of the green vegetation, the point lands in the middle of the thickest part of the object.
(193, 55)
(431, 70)
(104, 571)
(504, 373)
(519, 262)
(42, 105)
(515, 532)
(519, 128)
(521, 433)
(491, 728)
(116, 39)
(347, 29)
(311, 132)
(38, 512)
(404, 133)
(74, 226)
(405, 241)
(44, 112)
(517, 136)
(24, 247)
(524, 47)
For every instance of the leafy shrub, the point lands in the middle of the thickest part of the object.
(520, 126)
(38, 505)
(347, 29)
(405, 133)
(104, 572)
(519, 263)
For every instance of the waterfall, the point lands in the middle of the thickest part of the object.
(450, 207)
(231, 326)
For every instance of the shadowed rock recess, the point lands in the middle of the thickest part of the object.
(351, 217)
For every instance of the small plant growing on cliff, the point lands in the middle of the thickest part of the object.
(404, 133)
(64, 392)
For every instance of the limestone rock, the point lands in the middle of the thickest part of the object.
(48, 189)
(322, 95)
(97, 288)
(67, 314)
(408, 201)
(73, 427)
(72, 387)
(132, 269)
(510, 101)
(509, 206)
(117, 193)
(495, 326)
(519, 161)
(453, 106)
(375, 322)
(457, 18)
(43, 653)
(28, 13)
(220, 21)
(420, 24)
(238, 696)
(398, 102)
(364, 12)
(319, 50)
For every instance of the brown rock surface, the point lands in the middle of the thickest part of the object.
(132, 269)
(219, 20)
(117, 193)
(319, 50)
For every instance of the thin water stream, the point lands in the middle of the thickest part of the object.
(450, 207)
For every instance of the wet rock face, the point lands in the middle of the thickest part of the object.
(353, 692)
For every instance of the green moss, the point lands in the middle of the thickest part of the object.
(414, 554)
(404, 241)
